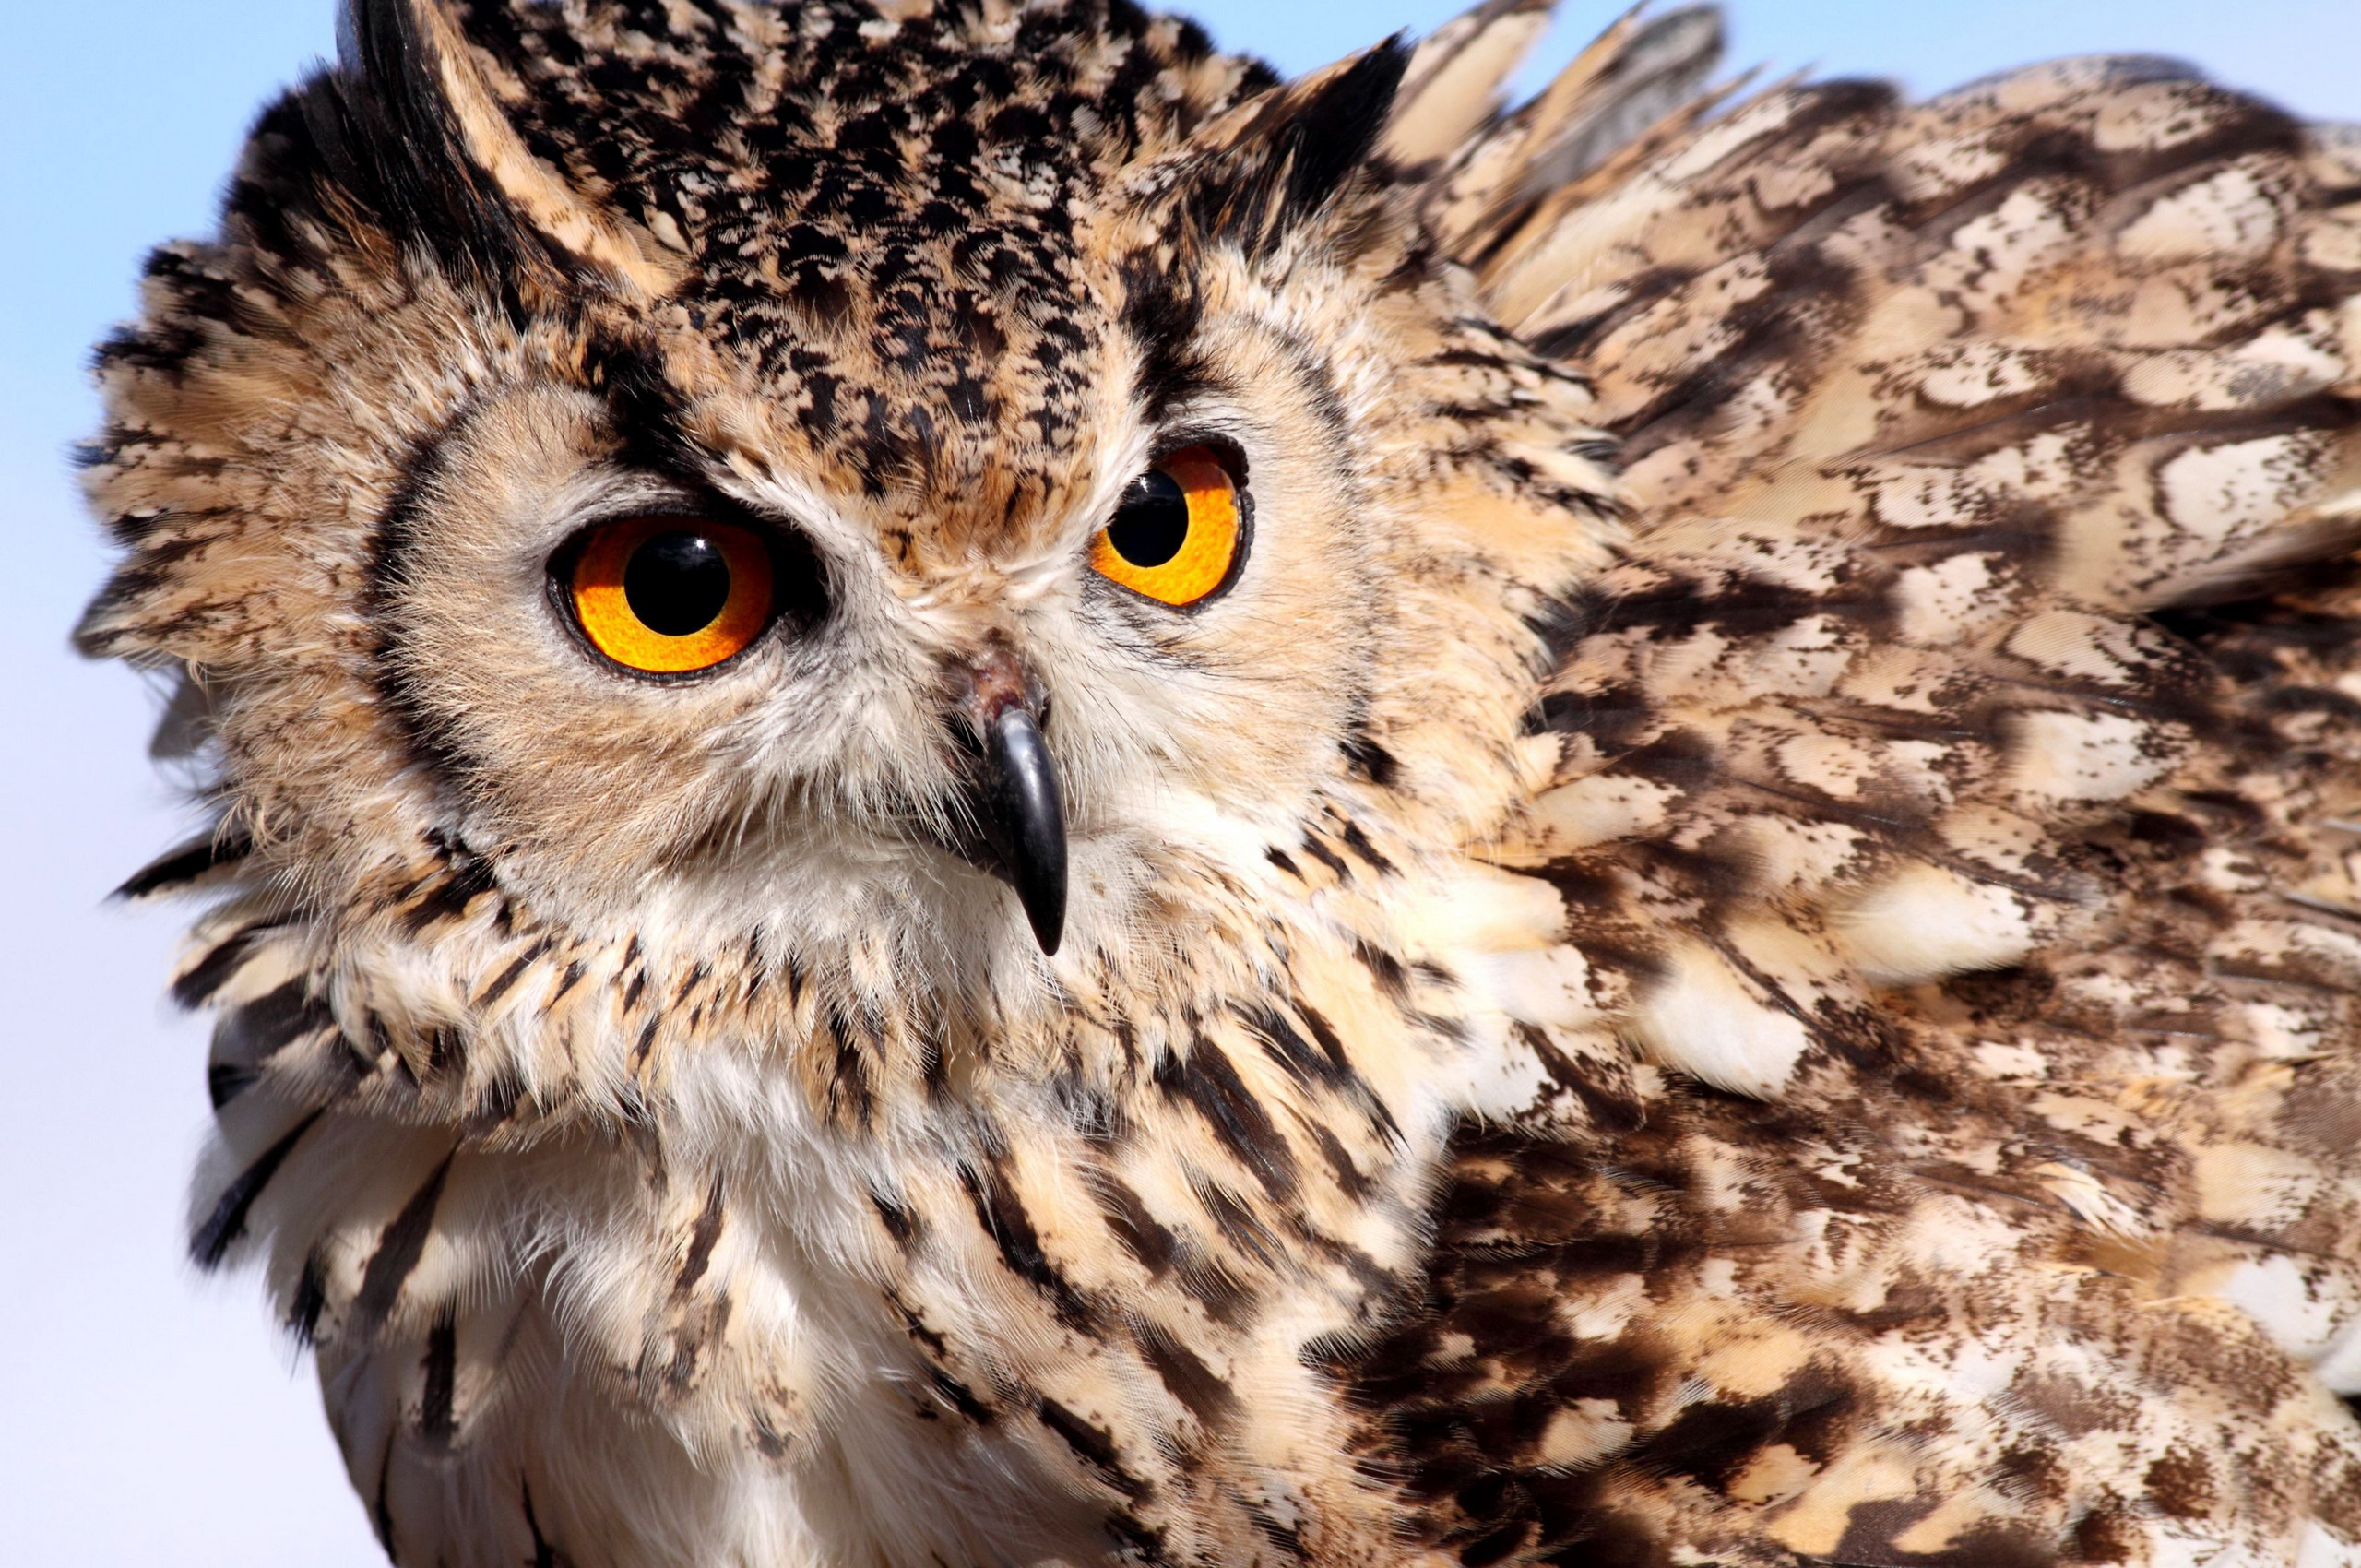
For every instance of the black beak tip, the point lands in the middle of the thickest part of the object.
(1049, 926)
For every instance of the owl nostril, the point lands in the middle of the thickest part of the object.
(996, 681)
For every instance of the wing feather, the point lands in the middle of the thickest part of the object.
(1635, 74)
(1456, 78)
(1957, 776)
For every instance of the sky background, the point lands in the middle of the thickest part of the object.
(154, 1417)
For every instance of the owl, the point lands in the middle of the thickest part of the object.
(985, 793)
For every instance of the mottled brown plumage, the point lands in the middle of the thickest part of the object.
(1733, 940)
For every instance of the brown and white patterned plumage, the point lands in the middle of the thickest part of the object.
(1737, 945)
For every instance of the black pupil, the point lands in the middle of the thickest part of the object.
(1153, 522)
(677, 583)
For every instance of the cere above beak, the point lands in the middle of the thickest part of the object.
(1013, 787)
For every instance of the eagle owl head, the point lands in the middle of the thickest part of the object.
(846, 492)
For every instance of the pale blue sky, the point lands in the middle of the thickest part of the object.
(151, 1417)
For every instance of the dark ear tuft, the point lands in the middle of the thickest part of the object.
(1296, 149)
(436, 143)
(1331, 135)
(390, 137)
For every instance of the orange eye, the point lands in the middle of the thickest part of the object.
(1175, 535)
(671, 595)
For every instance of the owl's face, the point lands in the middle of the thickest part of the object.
(944, 486)
(721, 678)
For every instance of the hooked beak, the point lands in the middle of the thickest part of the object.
(1013, 787)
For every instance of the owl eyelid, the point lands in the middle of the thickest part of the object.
(1172, 442)
(717, 510)
(642, 489)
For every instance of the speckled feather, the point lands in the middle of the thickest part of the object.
(1736, 946)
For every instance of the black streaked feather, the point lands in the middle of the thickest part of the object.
(222, 1228)
(177, 868)
(208, 974)
(310, 1300)
(437, 1418)
(249, 1036)
(399, 1249)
